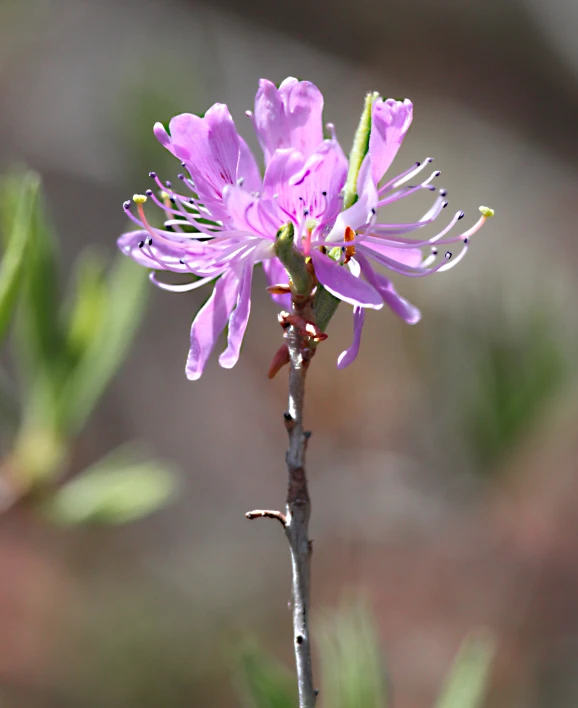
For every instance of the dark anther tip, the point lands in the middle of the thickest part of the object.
(149, 192)
(466, 240)
(461, 216)
(434, 251)
(140, 244)
(324, 194)
(169, 183)
(152, 174)
(444, 205)
(183, 164)
(172, 200)
(126, 205)
(181, 175)
(437, 173)
(448, 255)
(443, 192)
(287, 416)
(299, 639)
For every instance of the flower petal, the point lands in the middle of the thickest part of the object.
(339, 281)
(349, 355)
(239, 319)
(210, 322)
(396, 302)
(304, 114)
(390, 121)
(248, 171)
(277, 275)
(288, 117)
(407, 256)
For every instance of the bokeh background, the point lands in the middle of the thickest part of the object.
(443, 463)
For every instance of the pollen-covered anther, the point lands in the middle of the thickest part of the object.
(279, 289)
(139, 198)
(349, 250)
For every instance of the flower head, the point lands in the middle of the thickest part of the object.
(224, 219)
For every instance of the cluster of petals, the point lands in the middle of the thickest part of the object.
(224, 218)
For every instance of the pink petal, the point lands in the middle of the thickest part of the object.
(398, 304)
(288, 117)
(339, 281)
(239, 319)
(390, 121)
(349, 355)
(210, 322)
(248, 171)
(277, 275)
(407, 256)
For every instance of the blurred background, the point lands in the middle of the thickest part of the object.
(443, 464)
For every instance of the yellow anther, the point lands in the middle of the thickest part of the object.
(139, 198)
(163, 195)
(486, 211)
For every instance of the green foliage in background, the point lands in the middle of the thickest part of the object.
(466, 684)
(494, 374)
(66, 348)
(353, 672)
(352, 666)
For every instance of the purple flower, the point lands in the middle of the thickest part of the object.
(227, 220)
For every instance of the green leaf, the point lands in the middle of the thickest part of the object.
(17, 212)
(118, 489)
(351, 662)
(107, 345)
(466, 684)
(359, 150)
(89, 302)
(266, 682)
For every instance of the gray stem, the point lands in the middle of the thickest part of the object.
(298, 509)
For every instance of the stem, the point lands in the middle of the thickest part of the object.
(295, 521)
(298, 509)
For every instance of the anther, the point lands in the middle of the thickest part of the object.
(153, 175)
(486, 211)
(443, 192)
(461, 216)
(434, 251)
(444, 205)
(126, 205)
(172, 200)
(149, 192)
(437, 173)
(373, 211)
(448, 255)
(324, 194)
(429, 159)
(139, 198)
(149, 240)
(169, 183)
(305, 212)
(141, 244)
(288, 417)
(466, 240)
(181, 175)
(183, 164)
